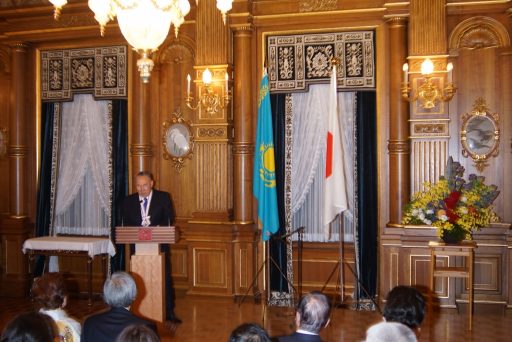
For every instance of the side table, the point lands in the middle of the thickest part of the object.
(464, 249)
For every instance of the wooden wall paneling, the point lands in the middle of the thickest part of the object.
(319, 262)
(210, 258)
(506, 131)
(244, 258)
(175, 61)
(179, 266)
(508, 269)
(214, 181)
(14, 276)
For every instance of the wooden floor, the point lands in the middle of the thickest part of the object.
(212, 319)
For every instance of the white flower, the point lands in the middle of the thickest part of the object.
(414, 212)
(429, 222)
(430, 211)
(421, 216)
(443, 218)
(463, 199)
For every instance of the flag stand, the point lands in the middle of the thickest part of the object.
(269, 258)
(340, 283)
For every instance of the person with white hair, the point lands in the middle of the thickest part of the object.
(390, 332)
(119, 292)
(312, 316)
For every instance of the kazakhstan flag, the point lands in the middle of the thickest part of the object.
(264, 178)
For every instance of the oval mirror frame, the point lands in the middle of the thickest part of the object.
(480, 134)
(178, 140)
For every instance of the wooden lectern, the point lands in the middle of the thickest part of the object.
(148, 263)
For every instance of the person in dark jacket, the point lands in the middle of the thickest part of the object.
(312, 316)
(119, 292)
(151, 207)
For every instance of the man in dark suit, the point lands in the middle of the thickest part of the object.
(119, 292)
(151, 207)
(312, 316)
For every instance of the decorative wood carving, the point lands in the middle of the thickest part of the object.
(243, 148)
(141, 150)
(478, 33)
(398, 146)
(426, 128)
(317, 5)
(211, 132)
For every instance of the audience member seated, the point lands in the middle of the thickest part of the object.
(390, 332)
(249, 332)
(49, 291)
(30, 327)
(138, 333)
(119, 292)
(312, 316)
(406, 305)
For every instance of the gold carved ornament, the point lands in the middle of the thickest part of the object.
(480, 134)
(178, 140)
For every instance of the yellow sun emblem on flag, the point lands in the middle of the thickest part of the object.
(267, 165)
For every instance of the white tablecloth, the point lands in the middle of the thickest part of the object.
(92, 245)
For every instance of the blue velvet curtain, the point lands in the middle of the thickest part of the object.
(277, 247)
(120, 173)
(367, 226)
(45, 174)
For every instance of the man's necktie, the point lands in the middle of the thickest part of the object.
(145, 204)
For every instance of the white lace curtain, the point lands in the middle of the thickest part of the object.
(83, 180)
(308, 162)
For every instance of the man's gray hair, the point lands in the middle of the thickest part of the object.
(314, 310)
(390, 332)
(119, 290)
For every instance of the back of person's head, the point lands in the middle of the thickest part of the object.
(249, 332)
(138, 333)
(30, 327)
(49, 291)
(390, 332)
(405, 305)
(314, 309)
(119, 290)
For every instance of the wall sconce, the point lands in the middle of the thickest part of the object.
(428, 93)
(209, 100)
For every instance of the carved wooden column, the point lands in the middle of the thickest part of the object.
(16, 227)
(398, 144)
(17, 149)
(243, 145)
(141, 150)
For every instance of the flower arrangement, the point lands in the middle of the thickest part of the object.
(453, 205)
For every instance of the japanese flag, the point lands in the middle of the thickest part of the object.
(335, 197)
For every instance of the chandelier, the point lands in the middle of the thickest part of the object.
(144, 23)
(428, 93)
